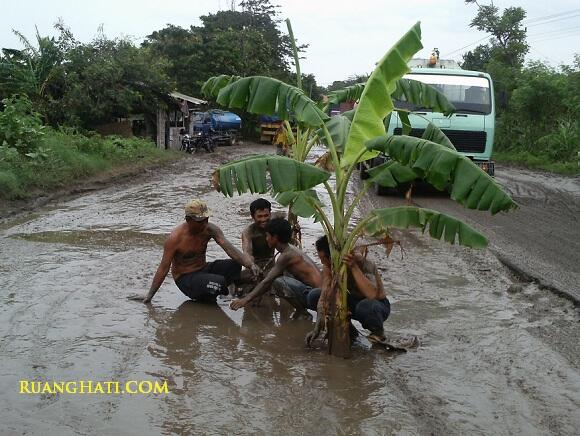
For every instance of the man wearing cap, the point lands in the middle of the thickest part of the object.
(184, 252)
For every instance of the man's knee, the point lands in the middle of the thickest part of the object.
(371, 313)
(280, 287)
(312, 298)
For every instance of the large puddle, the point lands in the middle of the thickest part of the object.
(66, 272)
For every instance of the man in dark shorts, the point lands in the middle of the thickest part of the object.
(293, 276)
(184, 252)
(367, 301)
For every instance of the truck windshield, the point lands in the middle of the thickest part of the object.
(468, 94)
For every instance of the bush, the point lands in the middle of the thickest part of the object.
(20, 127)
(64, 155)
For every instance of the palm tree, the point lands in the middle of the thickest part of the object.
(351, 138)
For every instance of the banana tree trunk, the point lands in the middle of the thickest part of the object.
(338, 321)
(296, 238)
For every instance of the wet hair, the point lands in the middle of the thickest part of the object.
(322, 245)
(280, 227)
(260, 203)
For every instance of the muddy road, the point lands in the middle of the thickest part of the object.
(541, 239)
(490, 362)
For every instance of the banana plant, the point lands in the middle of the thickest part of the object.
(350, 140)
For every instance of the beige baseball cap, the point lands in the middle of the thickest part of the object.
(196, 209)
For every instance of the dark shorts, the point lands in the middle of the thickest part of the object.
(210, 281)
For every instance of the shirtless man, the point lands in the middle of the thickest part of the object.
(184, 252)
(301, 273)
(367, 300)
(254, 236)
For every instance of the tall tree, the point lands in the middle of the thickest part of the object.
(504, 56)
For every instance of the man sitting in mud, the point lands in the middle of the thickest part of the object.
(293, 276)
(367, 301)
(254, 243)
(185, 250)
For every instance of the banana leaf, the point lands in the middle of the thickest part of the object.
(300, 202)
(392, 173)
(348, 93)
(213, 85)
(422, 95)
(250, 174)
(265, 95)
(409, 90)
(338, 127)
(444, 168)
(375, 102)
(440, 225)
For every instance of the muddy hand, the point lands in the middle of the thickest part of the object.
(140, 298)
(256, 270)
(238, 304)
(314, 334)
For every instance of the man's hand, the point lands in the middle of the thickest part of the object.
(238, 304)
(314, 334)
(256, 270)
(136, 297)
(352, 259)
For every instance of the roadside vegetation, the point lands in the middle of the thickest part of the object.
(538, 106)
(34, 157)
(56, 91)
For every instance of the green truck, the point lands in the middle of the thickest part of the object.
(471, 128)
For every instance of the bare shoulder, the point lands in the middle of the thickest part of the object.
(214, 230)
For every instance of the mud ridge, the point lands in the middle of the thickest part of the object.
(528, 277)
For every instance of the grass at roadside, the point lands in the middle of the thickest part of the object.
(525, 159)
(63, 158)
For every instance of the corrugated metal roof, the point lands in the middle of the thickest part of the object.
(187, 98)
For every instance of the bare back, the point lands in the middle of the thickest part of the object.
(301, 266)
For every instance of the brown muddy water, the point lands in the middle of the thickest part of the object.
(67, 269)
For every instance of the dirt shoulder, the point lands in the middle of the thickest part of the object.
(38, 197)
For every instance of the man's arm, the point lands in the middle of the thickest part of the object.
(367, 287)
(229, 248)
(276, 271)
(162, 269)
(247, 247)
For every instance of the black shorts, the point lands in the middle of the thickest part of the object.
(210, 281)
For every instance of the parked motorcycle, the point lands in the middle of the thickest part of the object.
(199, 141)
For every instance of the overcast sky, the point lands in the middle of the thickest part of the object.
(344, 37)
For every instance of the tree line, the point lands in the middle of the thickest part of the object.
(538, 106)
(85, 84)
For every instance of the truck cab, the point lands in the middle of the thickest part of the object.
(470, 128)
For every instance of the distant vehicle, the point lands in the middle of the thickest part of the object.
(471, 128)
(221, 126)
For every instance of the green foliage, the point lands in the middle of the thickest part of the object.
(249, 175)
(408, 90)
(62, 157)
(375, 102)
(20, 127)
(504, 56)
(525, 127)
(242, 43)
(440, 225)
(445, 168)
(265, 95)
